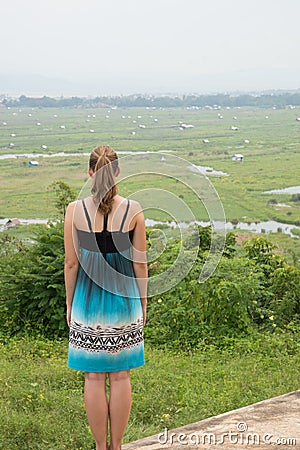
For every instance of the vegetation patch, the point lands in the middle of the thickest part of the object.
(41, 403)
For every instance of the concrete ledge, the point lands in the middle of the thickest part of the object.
(264, 425)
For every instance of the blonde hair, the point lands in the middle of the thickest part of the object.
(104, 164)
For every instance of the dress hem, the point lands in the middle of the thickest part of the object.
(129, 367)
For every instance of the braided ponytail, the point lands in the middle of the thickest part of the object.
(104, 164)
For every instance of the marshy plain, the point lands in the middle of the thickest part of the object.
(59, 140)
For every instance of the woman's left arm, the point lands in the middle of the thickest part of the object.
(71, 258)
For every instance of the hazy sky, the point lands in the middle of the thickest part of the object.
(122, 46)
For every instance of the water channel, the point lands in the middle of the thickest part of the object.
(256, 227)
(270, 226)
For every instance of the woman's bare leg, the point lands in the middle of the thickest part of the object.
(119, 406)
(96, 406)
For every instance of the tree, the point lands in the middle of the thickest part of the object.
(64, 195)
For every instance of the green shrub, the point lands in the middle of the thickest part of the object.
(253, 288)
(285, 286)
(32, 283)
(226, 304)
(295, 198)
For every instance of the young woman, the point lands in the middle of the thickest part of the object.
(106, 296)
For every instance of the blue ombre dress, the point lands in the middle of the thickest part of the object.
(106, 330)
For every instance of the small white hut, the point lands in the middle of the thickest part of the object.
(238, 157)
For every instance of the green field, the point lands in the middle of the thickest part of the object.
(271, 155)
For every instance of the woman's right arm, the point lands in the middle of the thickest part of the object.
(139, 257)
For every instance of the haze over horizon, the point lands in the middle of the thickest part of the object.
(163, 46)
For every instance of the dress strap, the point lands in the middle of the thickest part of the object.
(125, 215)
(105, 218)
(87, 216)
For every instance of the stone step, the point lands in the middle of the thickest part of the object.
(269, 424)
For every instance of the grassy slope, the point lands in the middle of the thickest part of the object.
(41, 402)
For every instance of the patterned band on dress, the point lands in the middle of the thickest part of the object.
(111, 340)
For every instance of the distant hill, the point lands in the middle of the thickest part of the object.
(15, 85)
(114, 84)
(263, 100)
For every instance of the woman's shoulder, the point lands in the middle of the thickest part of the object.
(134, 205)
(72, 205)
(71, 208)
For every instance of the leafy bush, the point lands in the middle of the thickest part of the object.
(252, 288)
(32, 283)
(285, 287)
(192, 312)
(256, 289)
(295, 198)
